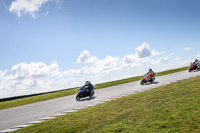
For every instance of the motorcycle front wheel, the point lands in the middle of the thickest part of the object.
(78, 97)
(190, 70)
(142, 82)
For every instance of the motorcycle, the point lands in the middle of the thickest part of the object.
(194, 66)
(146, 78)
(82, 92)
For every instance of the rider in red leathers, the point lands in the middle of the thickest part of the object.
(151, 73)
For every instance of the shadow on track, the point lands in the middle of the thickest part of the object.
(194, 71)
(87, 99)
(151, 83)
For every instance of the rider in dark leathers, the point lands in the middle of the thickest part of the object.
(88, 86)
(196, 63)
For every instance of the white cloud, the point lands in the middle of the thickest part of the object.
(164, 59)
(85, 57)
(28, 78)
(171, 54)
(154, 52)
(198, 55)
(33, 70)
(92, 59)
(26, 6)
(141, 56)
(183, 63)
(114, 63)
(130, 61)
(30, 7)
(187, 48)
(105, 65)
(144, 51)
(177, 58)
(75, 72)
(161, 60)
(98, 68)
(2, 73)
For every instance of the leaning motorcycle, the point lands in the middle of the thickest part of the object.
(146, 78)
(194, 66)
(82, 92)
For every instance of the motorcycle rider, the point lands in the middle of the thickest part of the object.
(151, 72)
(197, 63)
(88, 86)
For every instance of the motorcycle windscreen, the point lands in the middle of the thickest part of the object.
(94, 86)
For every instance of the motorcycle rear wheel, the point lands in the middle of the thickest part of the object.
(92, 93)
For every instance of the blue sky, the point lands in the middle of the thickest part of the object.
(54, 44)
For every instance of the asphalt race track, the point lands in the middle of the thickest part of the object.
(22, 116)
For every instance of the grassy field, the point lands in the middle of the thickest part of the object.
(33, 99)
(170, 108)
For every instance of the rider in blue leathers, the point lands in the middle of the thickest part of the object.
(88, 86)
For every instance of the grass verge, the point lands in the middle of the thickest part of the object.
(170, 108)
(33, 99)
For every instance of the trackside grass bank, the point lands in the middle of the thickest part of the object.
(170, 108)
(33, 99)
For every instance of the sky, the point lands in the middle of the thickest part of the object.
(48, 45)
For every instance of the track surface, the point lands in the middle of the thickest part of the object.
(20, 115)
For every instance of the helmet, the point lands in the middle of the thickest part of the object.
(196, 60)
(150, 70)
(87, 83)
